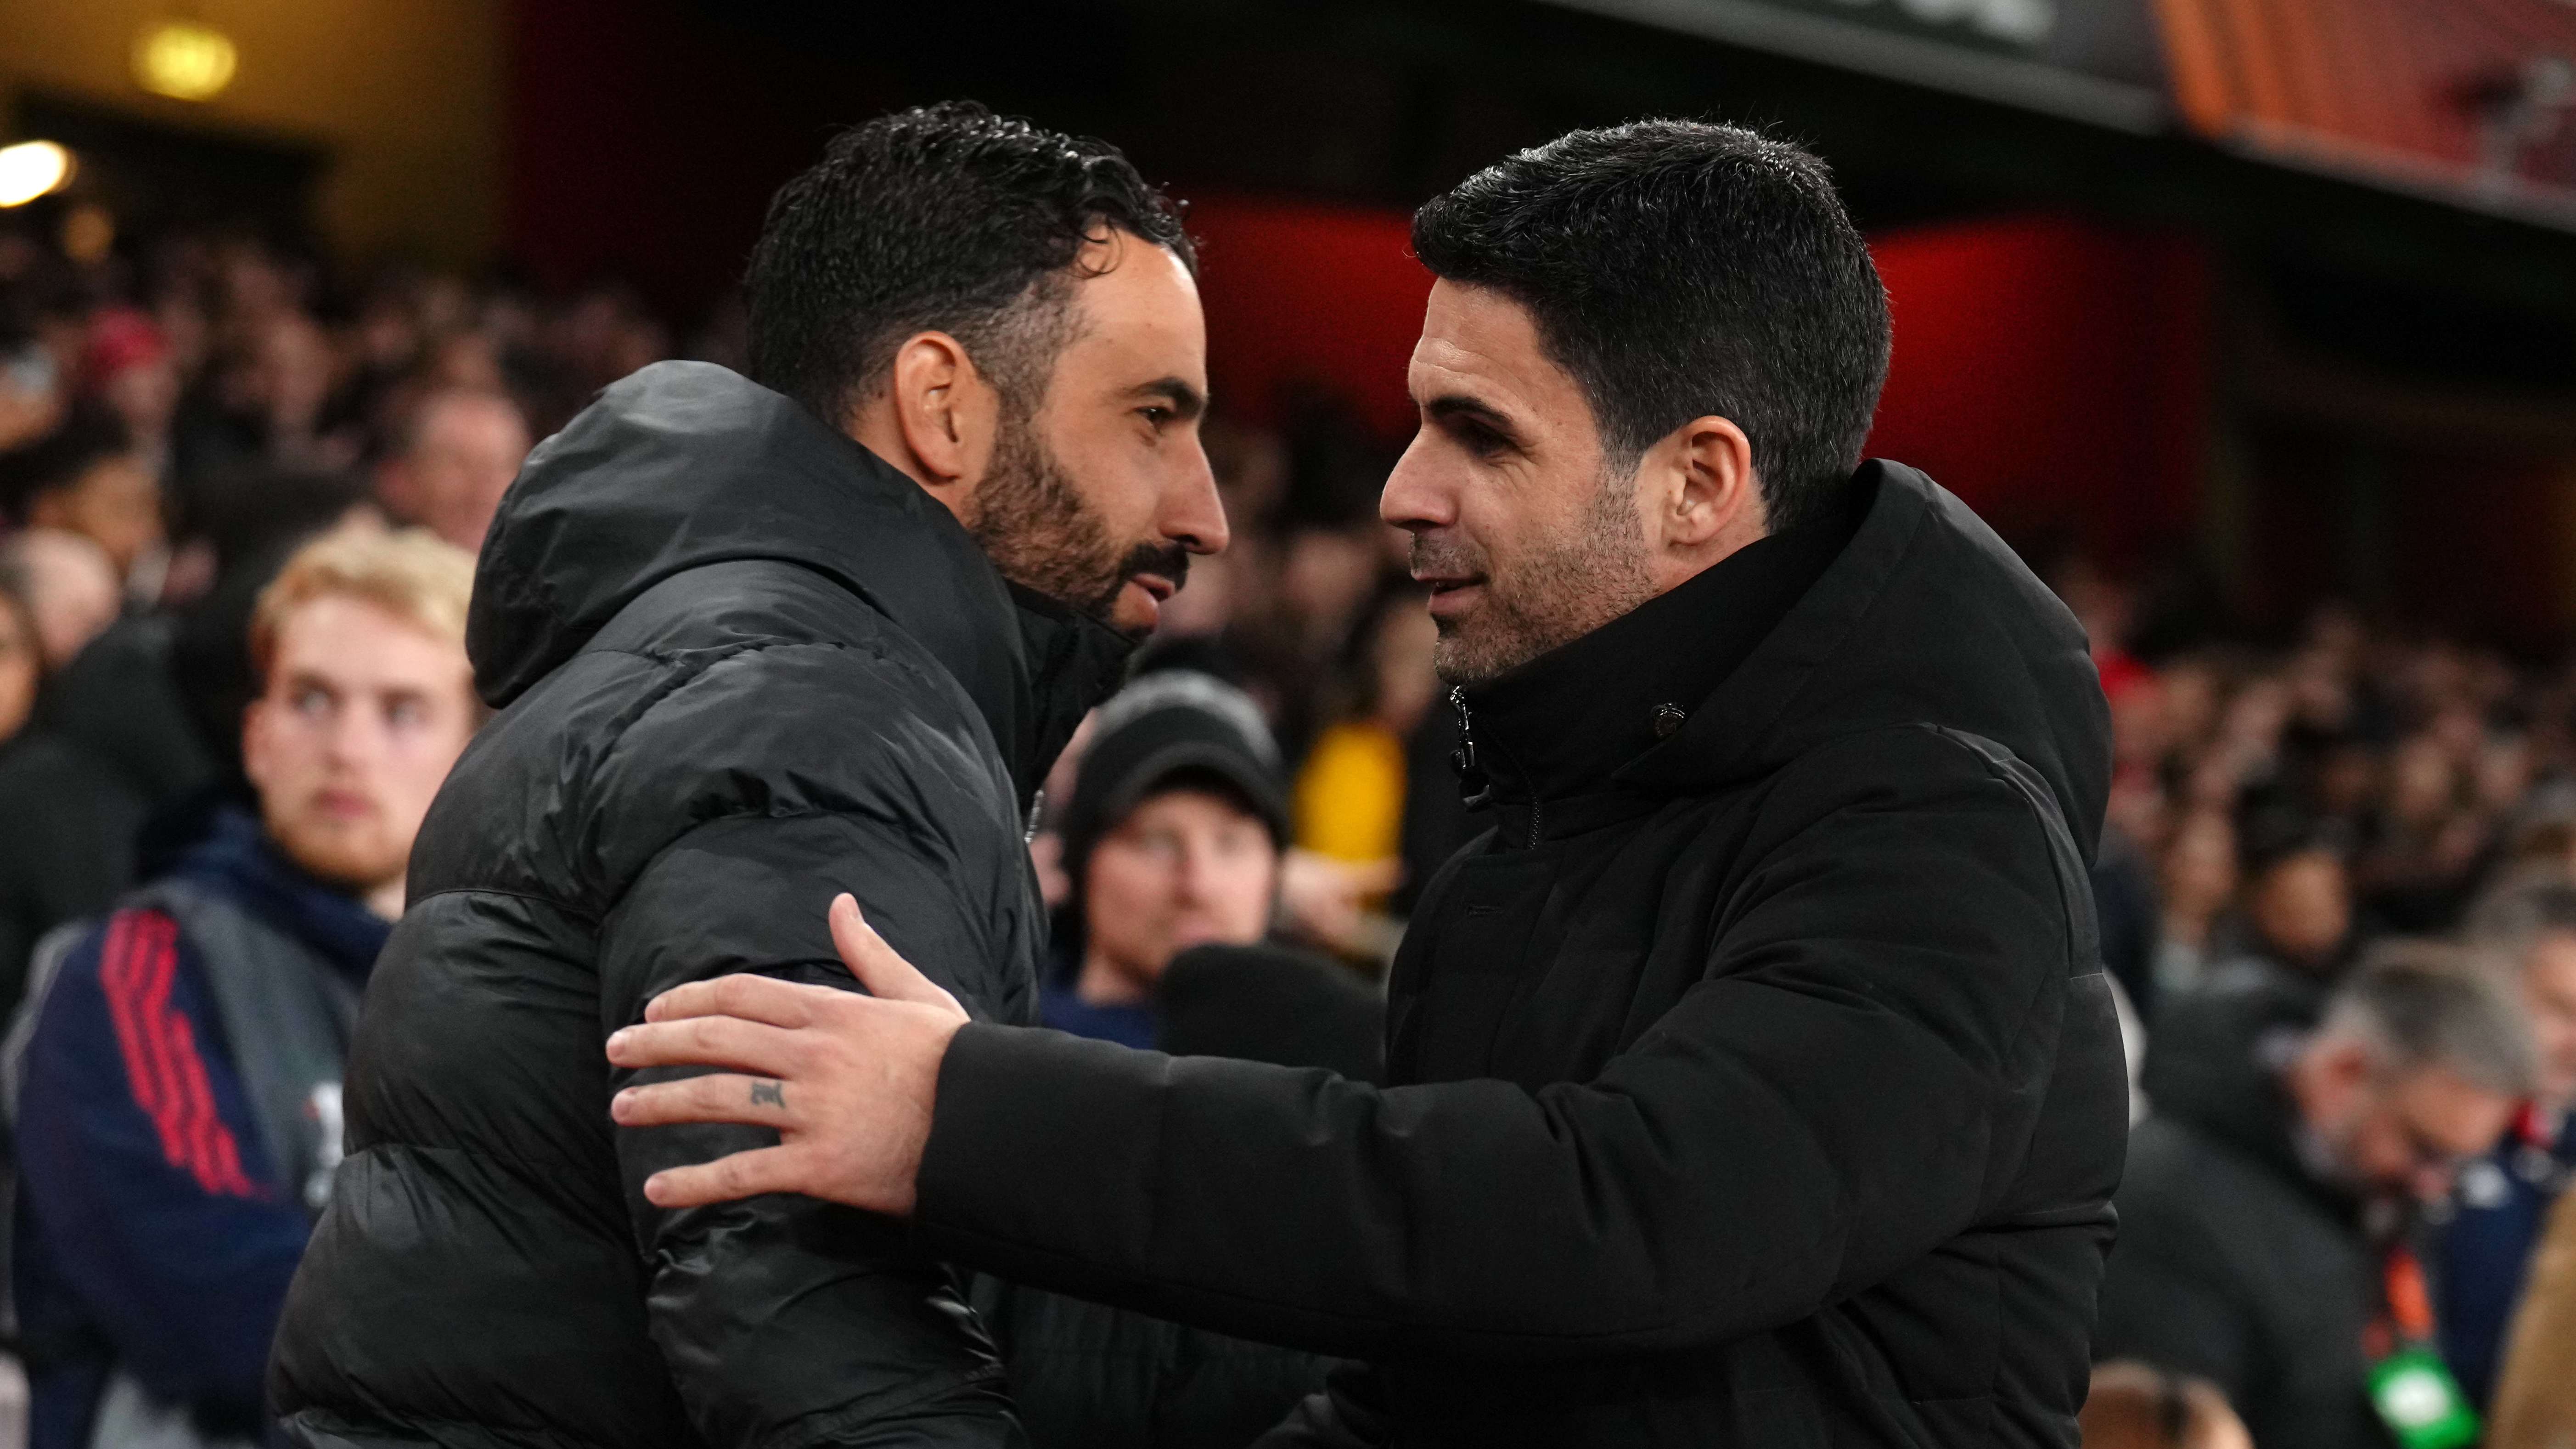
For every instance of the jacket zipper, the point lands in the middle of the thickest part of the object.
(1475, 777)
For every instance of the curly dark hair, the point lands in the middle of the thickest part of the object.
(946, 218)
(1682, 269)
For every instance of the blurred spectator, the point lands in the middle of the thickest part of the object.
(129, 367)
(68, 848)
(2196, 886)
(177, 1110)
(1172, 838)
(452, 461)
(2503, 1197)
(31, 395)
(1357, 791)
(85, 477)
(69, 586)
(2298, 901)
(2262, 1218)
(2140, 1406)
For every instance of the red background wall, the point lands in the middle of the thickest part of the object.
(2050, 372)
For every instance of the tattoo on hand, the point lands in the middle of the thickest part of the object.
(773, 1093)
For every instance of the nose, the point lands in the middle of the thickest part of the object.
(1194, 514)
(1415, 497)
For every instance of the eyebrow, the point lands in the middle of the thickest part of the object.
(1454, 405)
(1186, 401)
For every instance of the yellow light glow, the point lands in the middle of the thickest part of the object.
(31, 169)
(184, 60)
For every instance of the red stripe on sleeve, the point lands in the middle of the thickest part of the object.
(193, 1135)
(146, 1074)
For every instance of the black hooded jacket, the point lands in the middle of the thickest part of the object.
(741, 665)
(1754, 1081)
(2237, 1262)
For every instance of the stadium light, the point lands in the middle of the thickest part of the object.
(31, 169)
(184, 60)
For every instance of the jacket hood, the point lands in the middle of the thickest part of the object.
(1924, 616)
(685, 464)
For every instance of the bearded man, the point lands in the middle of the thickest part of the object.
(1754, 1082)
(752, 642)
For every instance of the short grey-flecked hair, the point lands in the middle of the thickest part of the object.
(2421, 1004)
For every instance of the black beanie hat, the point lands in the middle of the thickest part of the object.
(1171, 722)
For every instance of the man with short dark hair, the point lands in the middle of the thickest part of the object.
(1754, 1081)
(754, 641)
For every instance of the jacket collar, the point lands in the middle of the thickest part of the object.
(237, 858)
(684, 464)
(1551, 735)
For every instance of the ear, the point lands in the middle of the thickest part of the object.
(945, 409)
(1709, 494)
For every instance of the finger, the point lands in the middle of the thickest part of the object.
(707, 1041)
(743, 1174)
(877, 965)
(753, 998)
(722, 1097)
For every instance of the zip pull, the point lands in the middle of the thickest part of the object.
(1474, 785)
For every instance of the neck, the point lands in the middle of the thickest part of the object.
(386, 898)
(1104, 982)
(873, 426)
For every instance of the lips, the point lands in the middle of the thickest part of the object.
(1155, 584)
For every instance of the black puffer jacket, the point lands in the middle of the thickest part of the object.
(1756, 1081)
(742, 665)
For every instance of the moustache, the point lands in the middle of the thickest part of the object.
(1170, 560)
(1444, 558)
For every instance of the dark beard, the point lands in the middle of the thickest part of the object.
(1036, 528)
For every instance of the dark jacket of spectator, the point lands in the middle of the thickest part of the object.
(742, 665)
(68, 847)
(2483, 1253)
(2235, 1262)
(1755, 1082)
(178, 1118)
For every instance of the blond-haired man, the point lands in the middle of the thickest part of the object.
(178, 1110)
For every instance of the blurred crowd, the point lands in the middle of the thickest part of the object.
(2291, 826)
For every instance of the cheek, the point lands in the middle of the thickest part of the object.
(1124, 893)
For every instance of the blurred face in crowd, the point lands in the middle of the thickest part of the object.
(2200, 866)
(465, 449)
(1100, 494)
(2302, 907)
(287, 376)
(114, 502)
(21, 665)
(2393, 1131)
(362, 715)
(2549, 998)
(71, 587)
(1521, 530)
(1189, 867)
